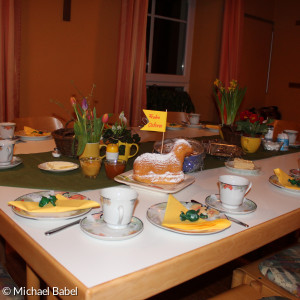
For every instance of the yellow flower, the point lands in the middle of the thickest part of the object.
(233, 84)
(217, 82)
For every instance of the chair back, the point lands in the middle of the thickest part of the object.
(281, 125)
(46, 123)
(177, 117)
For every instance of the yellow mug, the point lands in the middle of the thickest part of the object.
(127, 154)
(92, 150)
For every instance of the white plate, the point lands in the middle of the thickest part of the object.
(95, 227)
(58, 166)
(156, 213)
(23, 137)
(195, 125)
(247, 207)
(15, 162)
(296, 145)
(274, 180)
(36, 197)
(163, 188)
(229, 166)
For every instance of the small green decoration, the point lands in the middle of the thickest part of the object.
(294, 182)
(44, 201)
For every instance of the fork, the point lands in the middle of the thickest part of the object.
(227, 217)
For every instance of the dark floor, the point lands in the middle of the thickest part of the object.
(200, 288)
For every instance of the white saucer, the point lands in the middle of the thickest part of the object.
(195, 125)
(95, 227)
(247, 207)
(296, 145)
(15, 162)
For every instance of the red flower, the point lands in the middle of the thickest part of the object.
(73, 101)
(261, 119)
(105, 118)
(244, 115)
(253, 118)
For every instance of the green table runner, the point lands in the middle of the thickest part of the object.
(28, 174)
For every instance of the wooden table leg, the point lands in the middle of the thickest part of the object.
(2, 251)
(32, 281)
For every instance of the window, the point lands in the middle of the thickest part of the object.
(169, 42)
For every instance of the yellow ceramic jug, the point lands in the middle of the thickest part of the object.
(127, 154)
(250, 144)
(92, 150)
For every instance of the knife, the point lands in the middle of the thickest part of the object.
(62, 227)
(229, 218)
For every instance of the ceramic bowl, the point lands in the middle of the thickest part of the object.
(191, 163)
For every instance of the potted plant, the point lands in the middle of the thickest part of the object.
(228, 100)
(119, 134)
(253, 127)
(88, 127)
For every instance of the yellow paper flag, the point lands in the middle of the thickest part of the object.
(157, 120)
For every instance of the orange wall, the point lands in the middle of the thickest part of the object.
(205, 57)
(54, 52)
(285, 60)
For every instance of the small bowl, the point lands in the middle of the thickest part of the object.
(193, 162)
(271, 146)
(114, 168)
(90, 166)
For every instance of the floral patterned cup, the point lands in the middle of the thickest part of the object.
(7, 130)
(118, 205)
(233, 190)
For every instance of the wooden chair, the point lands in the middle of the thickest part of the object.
(280, 125)
(177, 117)
(45, 123)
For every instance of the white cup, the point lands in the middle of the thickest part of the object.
(292, 135)
(194, 118)
(6, 151)
(233, 190)
(7, 130)
(118, 205)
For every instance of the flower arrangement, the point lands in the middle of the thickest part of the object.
(88, 127)
(251, 124)
(228, 100)
(119, 132)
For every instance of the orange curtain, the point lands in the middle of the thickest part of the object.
(131, 74)
(10, 40)
(231, 41)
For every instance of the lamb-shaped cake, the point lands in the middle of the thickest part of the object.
(162, 168)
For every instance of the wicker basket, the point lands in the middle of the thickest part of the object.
(65, 141)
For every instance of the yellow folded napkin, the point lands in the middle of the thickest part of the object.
(34, 132)
(211, 126)
(283, 179)
(63, 204)
(172, 219)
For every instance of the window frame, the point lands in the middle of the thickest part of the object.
(177, 80)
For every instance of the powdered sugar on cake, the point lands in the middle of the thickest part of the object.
(162, 168)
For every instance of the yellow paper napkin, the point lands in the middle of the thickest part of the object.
(211, 126)
(283, 179)
(172, 219)
(63, 204)
(33, 132)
